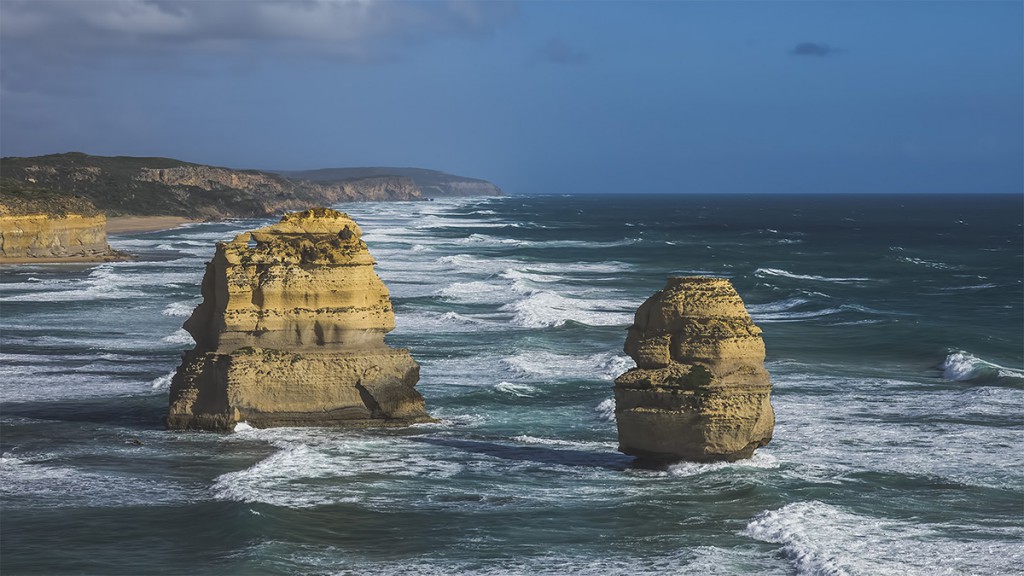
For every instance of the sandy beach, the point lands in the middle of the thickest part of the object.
(128, 224)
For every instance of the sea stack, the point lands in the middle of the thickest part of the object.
(291, 333)
(700, 391)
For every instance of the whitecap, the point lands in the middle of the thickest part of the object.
(183, 309)
(180, 336)
(961, 366)
(759, 460)
(162, 382)
(762, 272)
(928, 263)
(516, 389)
(606, 410)
(550, 366)
(777, 306)
(820, 538)
(577, 444)
(543, 309)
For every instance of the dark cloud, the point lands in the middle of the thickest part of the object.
(812, 49)
(556, 51)
(55, 35)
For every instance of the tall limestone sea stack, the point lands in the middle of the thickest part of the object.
(291, 332)
(700, 391)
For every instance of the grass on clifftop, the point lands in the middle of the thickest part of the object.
(17, 199)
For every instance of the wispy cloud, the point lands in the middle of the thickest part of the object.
(813, 49)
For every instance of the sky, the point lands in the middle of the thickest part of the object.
(538, 97)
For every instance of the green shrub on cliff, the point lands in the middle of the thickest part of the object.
(18, 199)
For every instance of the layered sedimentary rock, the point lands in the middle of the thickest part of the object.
(36, 227)
(700, 390)
(291, 332)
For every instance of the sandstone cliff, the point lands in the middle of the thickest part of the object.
(167, 187)
(700, 390)
(291, 332)
(36, 227)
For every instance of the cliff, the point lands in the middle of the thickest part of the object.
(700, 390)
(39, 226)
(431, 183)
(124, 185)
(291, 332)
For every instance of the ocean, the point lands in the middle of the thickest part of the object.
(894, 328)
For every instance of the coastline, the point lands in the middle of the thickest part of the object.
(129, 224)
(110, 257)
(114, 225)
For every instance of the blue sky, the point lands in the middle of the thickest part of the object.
(539, 97)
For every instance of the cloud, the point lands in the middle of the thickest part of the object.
(40, 37)
(813, 49)
(556, 51)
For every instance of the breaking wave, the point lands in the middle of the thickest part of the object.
(961, 366)
(762, 272)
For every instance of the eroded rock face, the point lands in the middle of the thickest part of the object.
(49, 238)
(700, 390)
(291, 332)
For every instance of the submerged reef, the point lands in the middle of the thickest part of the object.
(291, 332)
(700, 391)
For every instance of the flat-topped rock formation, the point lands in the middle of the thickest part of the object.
(37, 227)
(291, 332)
(700, 391)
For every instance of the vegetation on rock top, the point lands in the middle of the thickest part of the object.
(124, 185)
(16, 199)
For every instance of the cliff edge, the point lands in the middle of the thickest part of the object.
(38, 226)
(700, 390)
(137, 186)
(291, 332)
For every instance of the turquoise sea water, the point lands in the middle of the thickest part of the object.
(893, 326)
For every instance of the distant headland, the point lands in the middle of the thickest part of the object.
(60, 207)
(135, 186)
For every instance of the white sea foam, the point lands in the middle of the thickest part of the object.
(969, 288)
(606, 410)
(516, 389)
(777, 306)
(762, 272)
(543, 309)
(162, 382)
(476, 292)
(374, 470)
(443, 322)
(549, 366)
(823, 539)
(760, 460)
(961, 366)
(482, 240)
(242, 427)
(896, 427)
(544, 278)
(35, 482)
(180, 336)
(577, 444)
(928, 263)
(183, 309)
